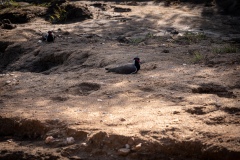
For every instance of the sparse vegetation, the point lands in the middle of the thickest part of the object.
(9, 4)
(190, 38)
(229, 48)
(197, 57)
(44, 4)
(136, 41)
(59, 15)
(194, 37)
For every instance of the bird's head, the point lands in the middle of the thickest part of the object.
(137, 59)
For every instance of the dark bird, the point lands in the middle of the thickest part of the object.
(50, 37)
(127, 68)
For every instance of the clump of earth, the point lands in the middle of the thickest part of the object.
(58, 102)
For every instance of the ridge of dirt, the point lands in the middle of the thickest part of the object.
(96, 143)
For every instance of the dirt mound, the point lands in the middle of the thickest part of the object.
(211, 88)
(22, 14)
(68, 12)
(98, 144)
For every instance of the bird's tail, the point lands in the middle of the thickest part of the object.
(108, 69)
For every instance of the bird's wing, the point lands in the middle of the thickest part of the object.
(124, 69)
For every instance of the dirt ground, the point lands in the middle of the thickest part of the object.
(184, 103)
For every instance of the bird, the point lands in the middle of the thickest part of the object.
(49, 37)
(130, 68)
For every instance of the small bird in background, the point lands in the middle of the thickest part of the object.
(49, 37)
(127, 68)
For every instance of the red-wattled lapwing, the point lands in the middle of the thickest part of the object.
(49, 37)
(127, 68)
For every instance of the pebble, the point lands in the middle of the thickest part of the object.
(123, 151)
(8, 82)
(122, 119)
(84, 144)
(99, 100)
(176, 112)
(127, 146)
(137, 147)
(49, 139)
(70, 140)
(176, 120)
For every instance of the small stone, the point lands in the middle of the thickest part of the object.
(8, 82)
(49, 139)
(176, 112)
(84, 144)
(99, 100)
(127, 146)
(122, 119)
(70, 140)
(75, 158)
(123, 151)
(137, 147)
(176, 120)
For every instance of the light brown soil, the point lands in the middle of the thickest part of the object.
(178, 106)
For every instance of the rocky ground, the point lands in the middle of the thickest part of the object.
(58, 102)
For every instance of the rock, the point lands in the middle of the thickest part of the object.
(70, 140)
(49, 140)
(122, 119)
(176, 112)
(84, 144)
(75, 158)
(123, 151)
(176, 120)
(127, 146)
(137, 147)
(8, 82)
